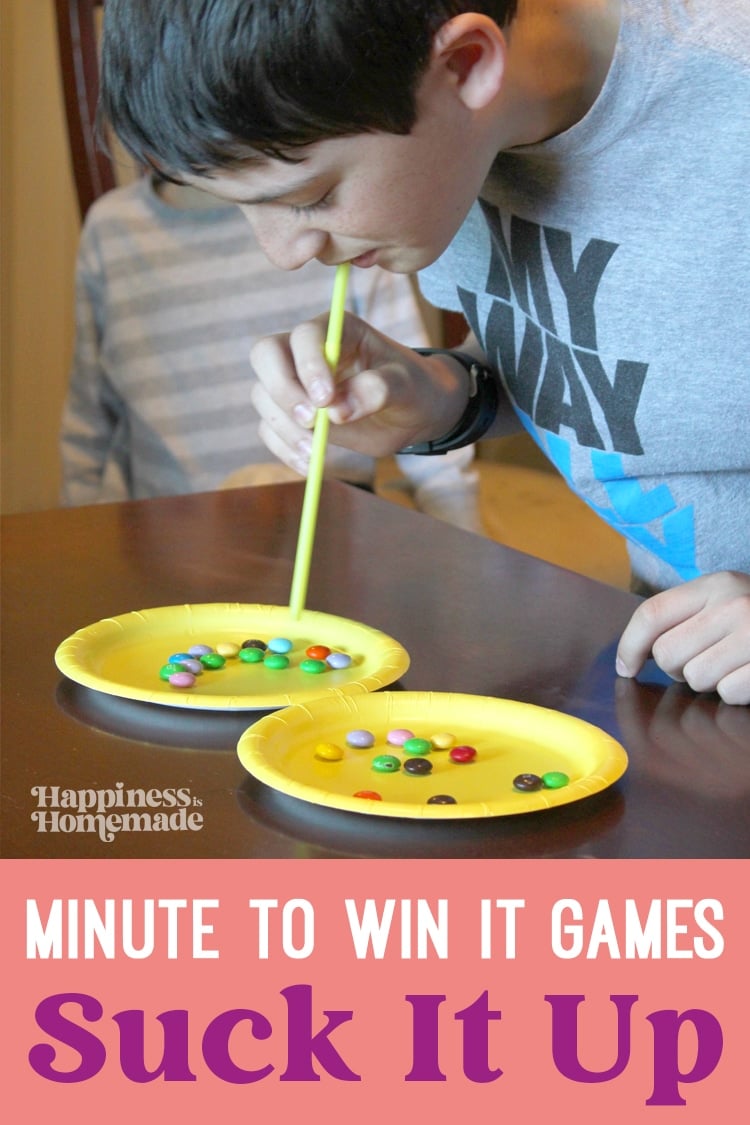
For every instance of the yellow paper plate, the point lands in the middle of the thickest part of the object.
(123, 655)
(510, 738)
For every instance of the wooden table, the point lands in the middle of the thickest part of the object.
(475, 617)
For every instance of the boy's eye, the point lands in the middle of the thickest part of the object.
(308, 208)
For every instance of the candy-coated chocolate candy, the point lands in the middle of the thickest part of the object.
(555, 779)
(199, 650)
(213, 660)
(194, 666)
(276, 660)
(441, 799)
(170, 668)
(368, 794)
(182, 679)
(178, 657)
(462, 754)
(399, 736)
(313, 667)
(251, 655)
(227, 649)
(443, 740)
(361, 739)
(255, 644)
(417, 746)
(318, 652)
(329, 752)
(527, 782)
(420, 767)
(280, 644)
(386, 763)
(338, 660)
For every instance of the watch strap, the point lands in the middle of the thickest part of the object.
(480, 412)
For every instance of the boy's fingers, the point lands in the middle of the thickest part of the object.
(361, 396)
(280, 365)
(649, 622)
(735, 688)
(307, 344)
(271, 360)
(698, 632)
(296, 456)
(280, 433)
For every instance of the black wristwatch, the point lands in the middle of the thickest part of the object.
(484, 398)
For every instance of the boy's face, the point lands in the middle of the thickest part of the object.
(372, 198)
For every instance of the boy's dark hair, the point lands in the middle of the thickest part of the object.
(193, 85)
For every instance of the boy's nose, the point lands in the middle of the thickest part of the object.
(284, 244)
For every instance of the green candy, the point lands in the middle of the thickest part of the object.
(555, 779)
(250, 655)
(169, 669)
(212, 660)
(276, 660)
(418, 746)
(386, 763)
(313, 667)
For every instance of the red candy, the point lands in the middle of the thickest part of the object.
(318, 652)
(368, 794)
(462, 754)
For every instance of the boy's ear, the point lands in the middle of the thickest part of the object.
(472, 48)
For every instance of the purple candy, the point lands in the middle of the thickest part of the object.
(360, 739)
(338, 660)
(200, 650)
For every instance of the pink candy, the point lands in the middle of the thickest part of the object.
(182, 679)
(399, 736)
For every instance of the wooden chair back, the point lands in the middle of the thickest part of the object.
(77, 36)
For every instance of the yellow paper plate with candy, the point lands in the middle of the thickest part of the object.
(474, 756)
(126, 655)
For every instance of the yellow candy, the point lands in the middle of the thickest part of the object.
(329, 752)
(442, 741)
(226, 648)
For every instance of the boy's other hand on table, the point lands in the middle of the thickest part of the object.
(698, 632)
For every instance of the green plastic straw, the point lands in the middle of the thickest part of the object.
(309, 517)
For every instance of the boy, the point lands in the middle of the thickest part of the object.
(171, 292)
(572, 172)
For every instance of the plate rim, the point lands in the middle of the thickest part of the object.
(68, 656)
(614, 765)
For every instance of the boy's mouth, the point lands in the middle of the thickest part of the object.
(363, 261)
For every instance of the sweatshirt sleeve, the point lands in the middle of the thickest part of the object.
(94, 419)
